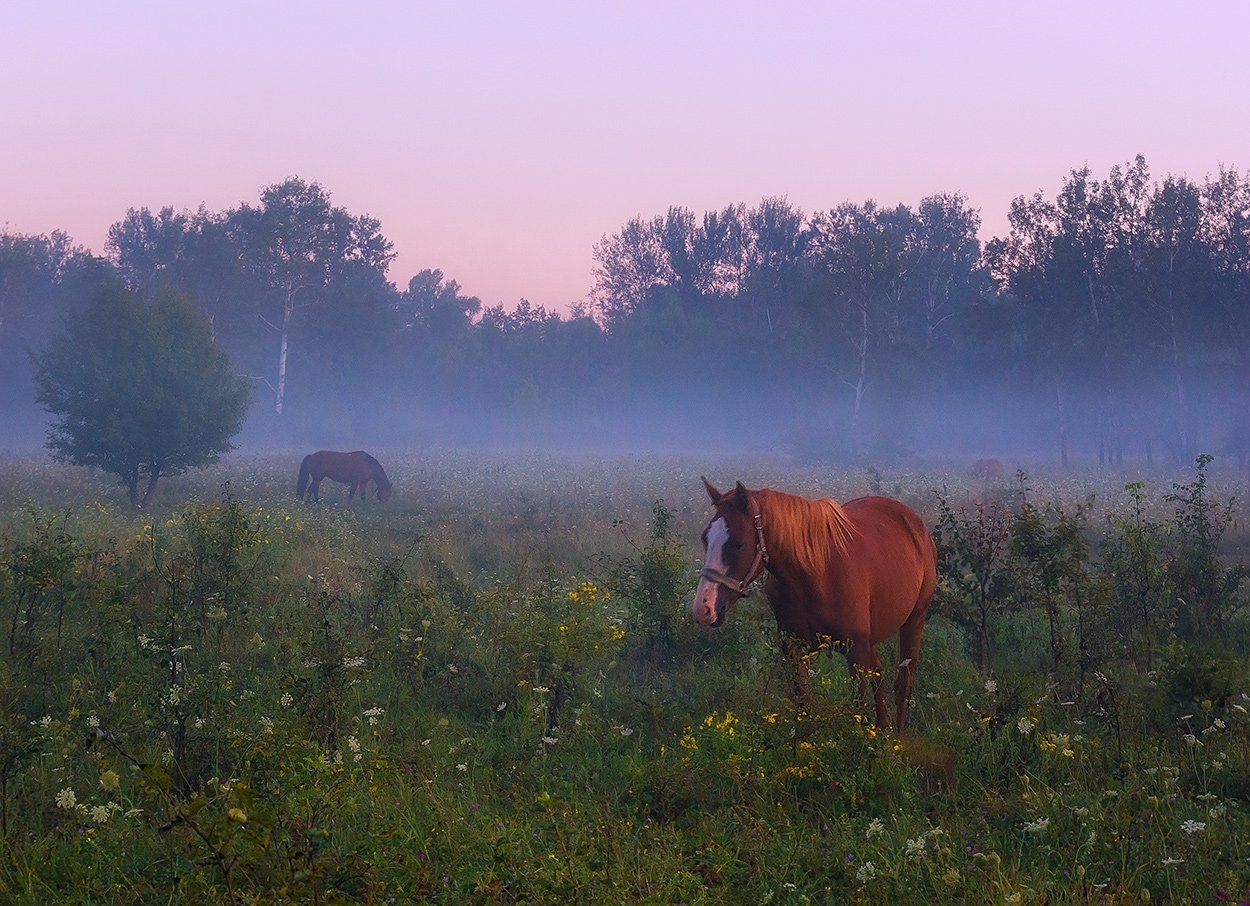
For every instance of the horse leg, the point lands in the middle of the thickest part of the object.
(908, 659)
(351, 493)
(795, 651)
(864, 661)
(314, 490)
(878, 692)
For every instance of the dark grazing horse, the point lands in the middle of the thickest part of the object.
(856, 573)
(356, 469)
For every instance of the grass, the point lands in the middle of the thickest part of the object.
(487, 691)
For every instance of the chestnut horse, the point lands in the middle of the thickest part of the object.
(356, 469)
(856, 573)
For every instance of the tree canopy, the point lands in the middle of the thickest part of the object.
(1112, 313)
(139, 389)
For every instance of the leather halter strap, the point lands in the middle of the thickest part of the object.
(758, 565)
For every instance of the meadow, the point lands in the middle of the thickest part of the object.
(489, 690)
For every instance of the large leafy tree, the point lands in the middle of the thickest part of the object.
(139, 389)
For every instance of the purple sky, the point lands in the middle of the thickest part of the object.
(501, 141)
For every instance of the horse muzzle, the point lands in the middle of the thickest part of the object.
(711, 603)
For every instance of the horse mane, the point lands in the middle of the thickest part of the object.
(810, 531)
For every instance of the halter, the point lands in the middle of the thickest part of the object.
(757, 565)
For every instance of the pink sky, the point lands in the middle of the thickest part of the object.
(500, 141)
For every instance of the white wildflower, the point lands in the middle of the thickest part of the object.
(1037, 826)
(866, 872)
(914, 848)
(353, 662)
(875, 827)
(1192, 827)
(66, 798)
(991, 686)
(99, 814)
(501, 706)
(286, 700)
(353, 743)
(1025, 726)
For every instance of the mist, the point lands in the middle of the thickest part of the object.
(1107, 329)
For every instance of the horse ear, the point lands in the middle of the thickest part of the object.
(741, 496)
(711, 490)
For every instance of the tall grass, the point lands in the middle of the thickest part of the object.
(489, 692)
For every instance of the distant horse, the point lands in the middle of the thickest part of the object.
(356, 469)
(856, 573)
(987, 469)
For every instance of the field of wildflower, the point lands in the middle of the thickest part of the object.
(488, 690)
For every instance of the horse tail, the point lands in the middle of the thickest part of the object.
(303, 477)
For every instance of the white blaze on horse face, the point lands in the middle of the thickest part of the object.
(703, 609)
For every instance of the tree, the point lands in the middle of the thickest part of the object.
(863, 253)
(43, 281)
(146, 246)
(298, 244)
(139, 390)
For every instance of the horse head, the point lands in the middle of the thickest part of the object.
(736, 556)
(384, 492)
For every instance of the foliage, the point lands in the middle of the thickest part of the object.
(139, 390)
(1051, 551)
(1207, 590)
(654, 584)
(974, 579)
(251, 700)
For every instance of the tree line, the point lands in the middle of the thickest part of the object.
(1112, 317)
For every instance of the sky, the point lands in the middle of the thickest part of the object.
(500, 141)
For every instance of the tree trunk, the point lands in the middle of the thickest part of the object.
(287, 312)
(860, 384)
(1063, 426)
(147, 493)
